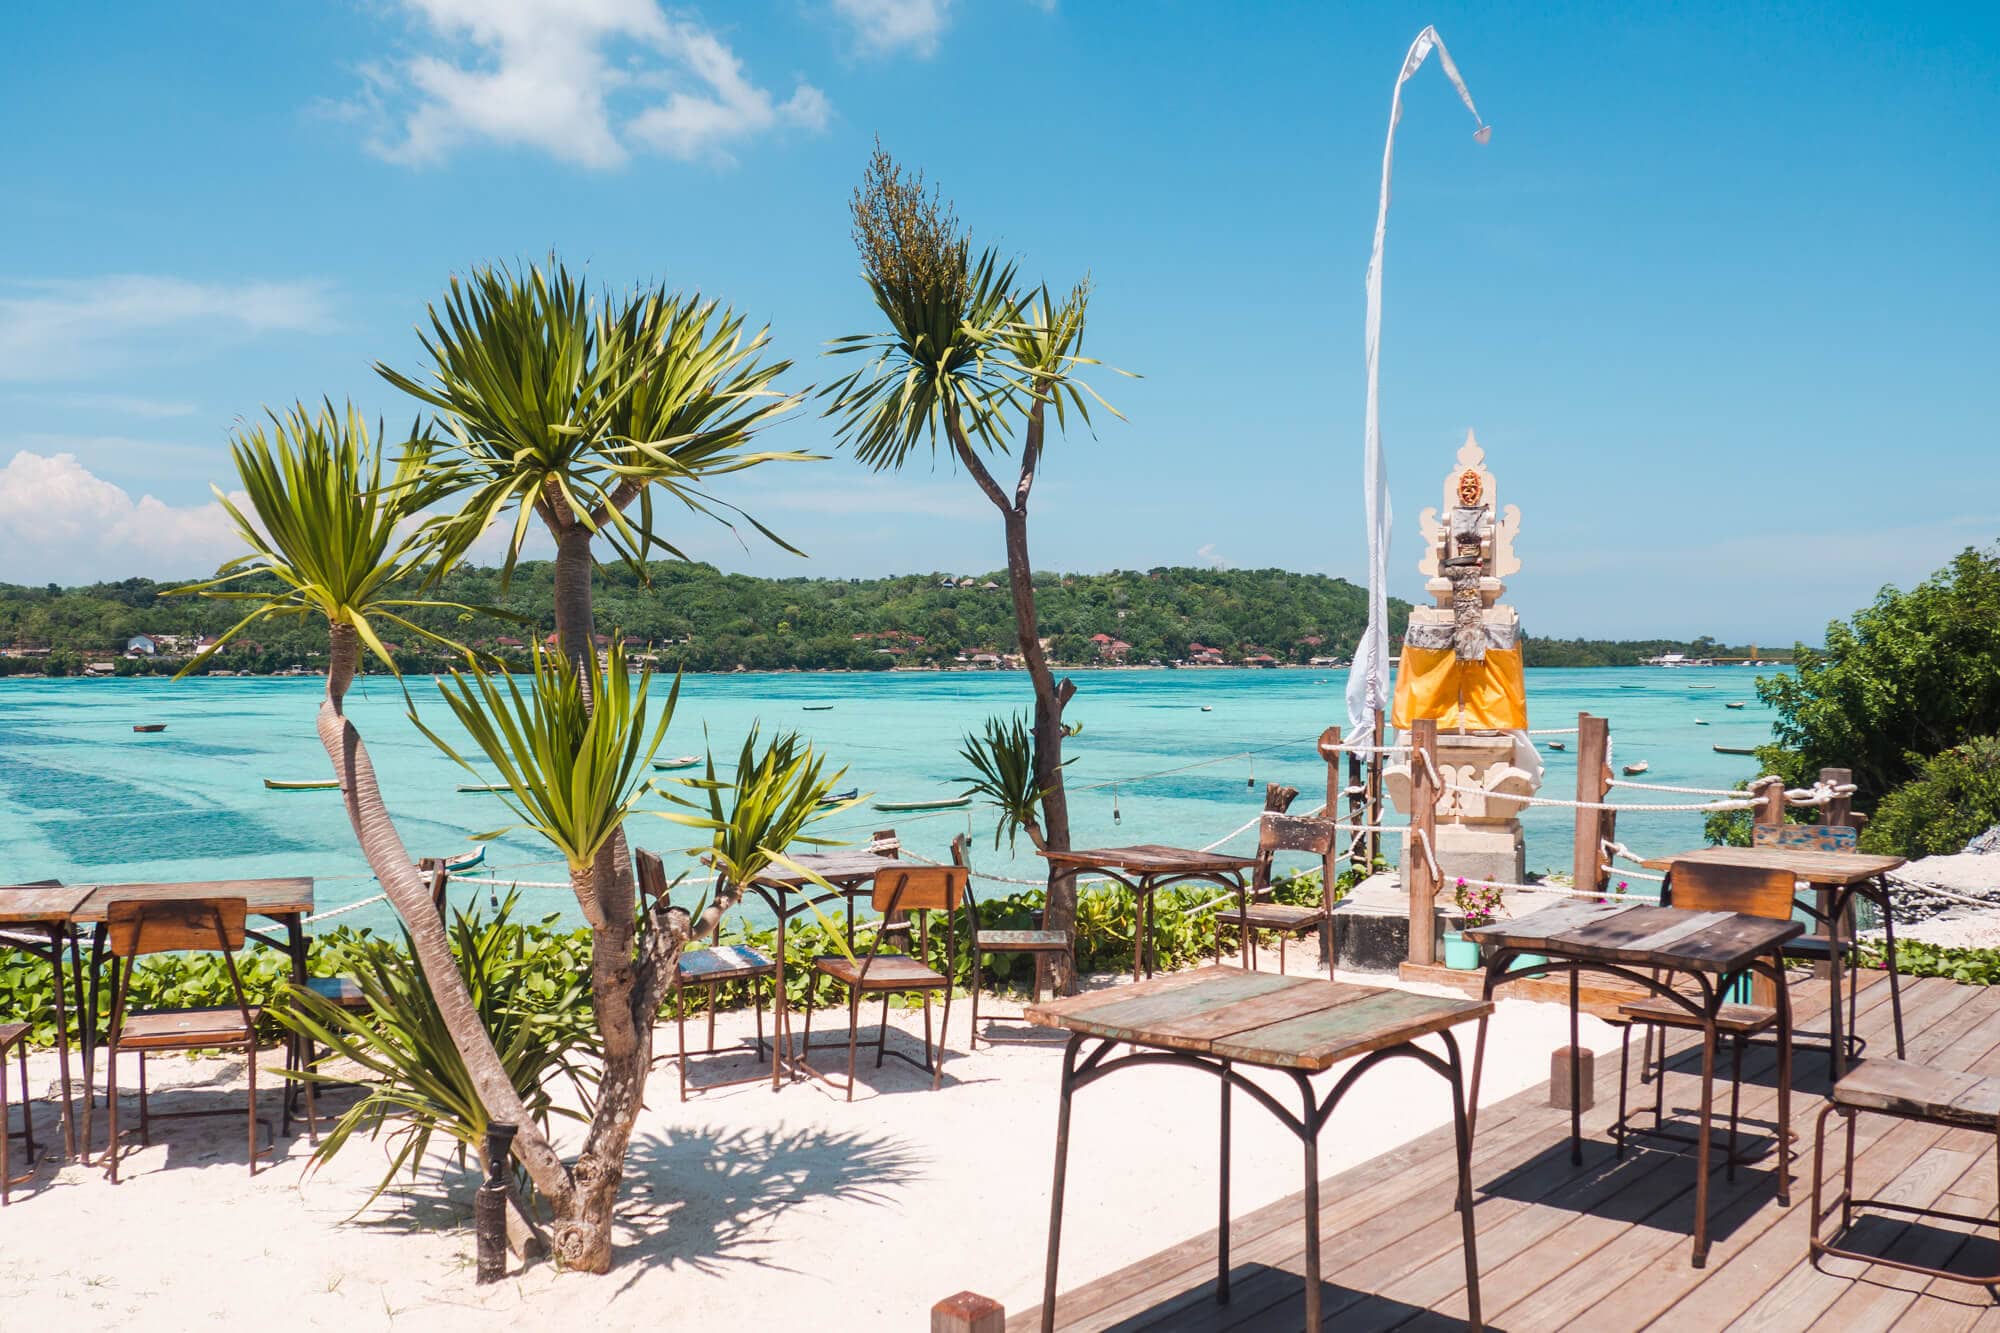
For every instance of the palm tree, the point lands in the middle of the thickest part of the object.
(331, 537)
(578, 410)
(965, 360)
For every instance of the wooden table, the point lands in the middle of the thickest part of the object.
(49, 909)
(1148, 868)
(1838, 877)
(1217, 1018)
(787, 893)
(1636, 944)
(287, 900)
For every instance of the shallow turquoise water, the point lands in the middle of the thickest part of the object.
(84, 798)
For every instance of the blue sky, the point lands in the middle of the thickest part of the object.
(1718, 297)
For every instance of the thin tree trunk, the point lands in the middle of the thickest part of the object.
(390, 860)
(1060, 904)
(607, 895)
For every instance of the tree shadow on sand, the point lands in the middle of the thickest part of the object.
(698, 1196)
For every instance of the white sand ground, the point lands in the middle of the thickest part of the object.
(792, 1209)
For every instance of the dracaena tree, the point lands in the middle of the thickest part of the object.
(971, 363)
(585, 413)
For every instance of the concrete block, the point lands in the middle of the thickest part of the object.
(1559, 1062)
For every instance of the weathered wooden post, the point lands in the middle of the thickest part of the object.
(1772, 794)
(1329, 750)
(1593, 780)
(489, 1205)
(1839, 810)
(968, 1312)
(1380, 742)
(1422, 845)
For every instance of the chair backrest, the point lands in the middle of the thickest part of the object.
(137, 926)
(884, 842)
(1702, 887)
(920, 888)
(961, 850)
(652, 875)
(1807, 837)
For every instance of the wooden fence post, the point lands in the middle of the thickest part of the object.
(1329, 750)
(1773, 797)
(1593, 779)
(968, 1312)
(1422, 844)
(1839, 810)
(1376, 761)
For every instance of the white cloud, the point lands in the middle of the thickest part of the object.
(585, 81)
(55, 328)
(1211, 557)
(896, 25)
(61, 523)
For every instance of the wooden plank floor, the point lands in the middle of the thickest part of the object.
(1605, 1246)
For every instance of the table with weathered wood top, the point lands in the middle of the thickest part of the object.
(1839, 877)
(788, 892)
(1219, 1018)
(287, 900)
(1148, 868)
(1638, 944)
(48, 909)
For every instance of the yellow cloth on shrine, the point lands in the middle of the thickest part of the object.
(1431, 681)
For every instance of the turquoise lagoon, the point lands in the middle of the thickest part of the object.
(85, 799)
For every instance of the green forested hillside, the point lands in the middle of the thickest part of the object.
(694, 613)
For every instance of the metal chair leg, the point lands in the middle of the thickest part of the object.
(7, 1167)
(1624, 1077)
(250, 1059)
(111, 1110)
(972, 1040)
(853, 1027)
(1735, 1101)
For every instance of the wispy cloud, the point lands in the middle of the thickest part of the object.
(62, 523)
(64, 328)
(877, 498)
(1208, 555)
(896, 25)
(586, 81)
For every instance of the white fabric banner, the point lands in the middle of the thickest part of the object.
(1368, 680)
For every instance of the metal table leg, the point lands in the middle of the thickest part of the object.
(1222, 1205)
(1056, 1187)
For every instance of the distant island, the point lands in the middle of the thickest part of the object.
(695, 616)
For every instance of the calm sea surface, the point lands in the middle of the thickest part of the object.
(83, 798)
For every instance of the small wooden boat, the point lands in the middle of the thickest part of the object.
(1732, 705)
(484, 786)
(942, 803)
(1557, 745)
(1208, 708)
(1732, 749)
(149, 726)
(1634, 770)
(836, 797)
(819, 708)
(1701, 722)
(467, 859)
(679, 761)
(303, 784)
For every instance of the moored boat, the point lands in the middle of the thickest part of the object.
(484, 786)
(149, 726)
(678, 761)
(836, 797)
(1732, 705)
(1732, 749)
(1634, 770)
(1558, 745)
(941, 803)
(303, 784)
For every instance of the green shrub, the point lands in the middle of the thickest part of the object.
(1972, 967)
(531, 988)
(1954, 798)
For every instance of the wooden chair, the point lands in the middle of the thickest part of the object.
(919, 891)
(1036, 942)
(1288, 921)
(14, 1035)
(1906, 1091)
(46, 945)
(343, 993)
(136, 928)
(710, 968)
(1705, 888)
(1817, 948)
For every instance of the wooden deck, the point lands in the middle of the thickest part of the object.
(1605, 1246)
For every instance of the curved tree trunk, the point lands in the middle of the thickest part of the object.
(1060, 905)
(608, 897)
(390, 860)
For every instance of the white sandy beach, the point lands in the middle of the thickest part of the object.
(794, 1208)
